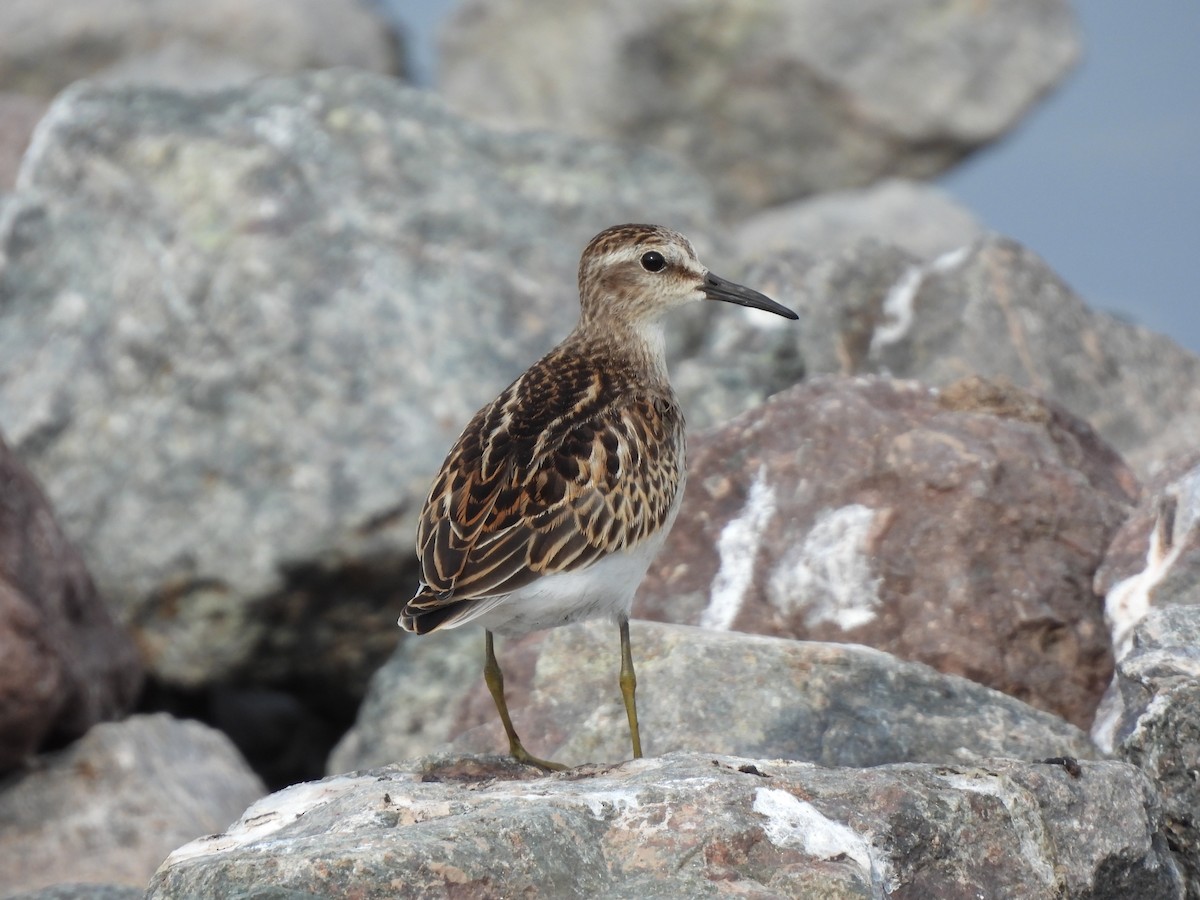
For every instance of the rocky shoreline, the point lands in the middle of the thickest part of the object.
(927, 625)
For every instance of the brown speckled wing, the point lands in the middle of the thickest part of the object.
(567, 464)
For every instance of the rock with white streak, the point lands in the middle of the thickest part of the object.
(701, 690)
(1154, 560)
(693, 825)
(993, 309)
(773, 100)
(961, 529)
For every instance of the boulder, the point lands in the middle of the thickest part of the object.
(49, 46)
(414, 702)
(993, 309)
(772, 100)
(699, 690)
(917, 217)
(109, 807)
(181, 66)
(65, 662)
(693, 825)
(961, 529)
(1151, 718)
(81, 891)
(19, 113)
(240, 332)
(1154, 559)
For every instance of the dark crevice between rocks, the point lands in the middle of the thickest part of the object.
(284, 738)
(299, 691)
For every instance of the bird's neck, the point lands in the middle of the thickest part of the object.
(641, 344)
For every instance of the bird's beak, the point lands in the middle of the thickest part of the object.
(717, 288)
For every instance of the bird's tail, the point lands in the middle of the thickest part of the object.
(430, 610)
(425, 612)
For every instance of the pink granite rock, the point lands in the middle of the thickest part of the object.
(962, 530)
(65, 663)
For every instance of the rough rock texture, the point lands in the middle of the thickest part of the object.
(18, 116)
(1151, 717)
(772, 100)
(232, 344)
(48, 45)
(1154, 559)
(707, 691)
(65, 664)
(912, 215)
(414, 701)
(112, 805)
(81, 891)
(996, 310)
(694, 825)
(961, 530)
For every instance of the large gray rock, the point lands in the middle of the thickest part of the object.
(700, 690)
(81, 891)
(111, 806)
(994, 309)
(65, 663)
(182, 66)
(917, 217)
(414, 702)
(772, 100)
(47, 46)
(239, 333)
(693, 825)
(19, 114)
(962, 530)
(1151, 717)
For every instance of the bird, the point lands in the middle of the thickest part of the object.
(554, 500)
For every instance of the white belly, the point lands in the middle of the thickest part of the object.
(603, 589)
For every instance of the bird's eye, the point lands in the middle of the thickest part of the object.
(653, 261)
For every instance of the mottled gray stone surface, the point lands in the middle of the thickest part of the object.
(1151, 717)
(701, 690)
(414, 700)
(50, 43)
(772, 100)
(109, 807)
(918, 217)
(19, 113)
(239, 332)
(694, 825)
(81, 891)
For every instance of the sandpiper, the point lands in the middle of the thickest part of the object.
(558, 494)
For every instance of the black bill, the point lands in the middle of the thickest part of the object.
(718, 288)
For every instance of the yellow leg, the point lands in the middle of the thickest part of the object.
(495, 682)
(628, 688)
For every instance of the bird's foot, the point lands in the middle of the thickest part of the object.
(521, 755)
